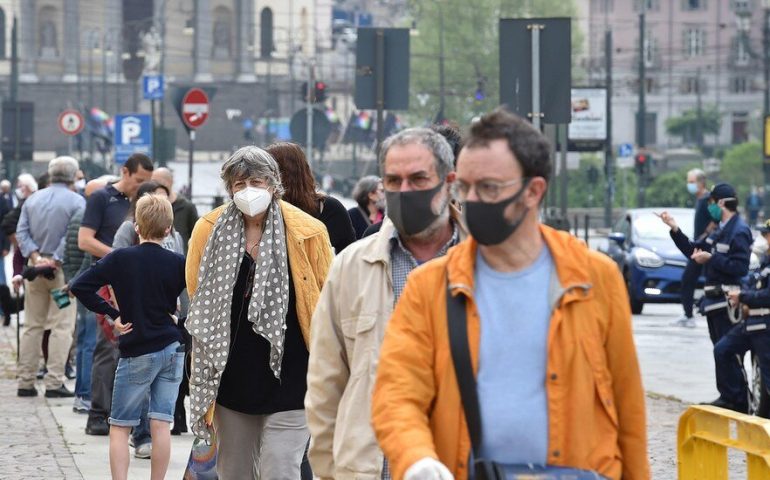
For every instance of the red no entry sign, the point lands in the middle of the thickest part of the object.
(195, 108)
(71, 122)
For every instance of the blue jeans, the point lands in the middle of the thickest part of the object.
(85, 338)
(152, 378)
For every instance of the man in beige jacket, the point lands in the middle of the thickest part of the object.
(357, 300)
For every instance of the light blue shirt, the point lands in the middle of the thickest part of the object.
(44, 218)
(515, 317)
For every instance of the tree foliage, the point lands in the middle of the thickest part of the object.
(686, 125)
(470, 52)
(669, 190)
(742, 168)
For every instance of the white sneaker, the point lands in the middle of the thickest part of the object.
(81, 405)
(143, 451)
(686, 322)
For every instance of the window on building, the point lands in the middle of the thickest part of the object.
(741, 6)
(222, 35)
(694, 41)
(691, 85)
(647, 5)
(743, 23)
(740, 127)
(691, 5)
(740, 84)
(741, 53)
(47, 37)
(603, 6)
(266, 44)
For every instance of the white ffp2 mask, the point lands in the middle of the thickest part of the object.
(252, 200)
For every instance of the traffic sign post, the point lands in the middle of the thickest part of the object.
(194, 112)
(133, 134)
(70, 123)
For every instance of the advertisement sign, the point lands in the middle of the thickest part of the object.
(133, 134)
(588, 128)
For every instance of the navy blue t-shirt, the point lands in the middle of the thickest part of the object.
(106, 210)
(146, 279)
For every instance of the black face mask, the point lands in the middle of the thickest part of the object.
(486, 221)
(411, 212)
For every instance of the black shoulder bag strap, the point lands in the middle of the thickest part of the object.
(461, 357)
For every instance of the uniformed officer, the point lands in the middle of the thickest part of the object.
(725, 255)
(752, 334)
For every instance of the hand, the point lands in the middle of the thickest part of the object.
(668, 219)
(17, 282)
(45, 262)
(5, 252)
(428, 469)
(123, 328)
(700, 257)
(733, 297)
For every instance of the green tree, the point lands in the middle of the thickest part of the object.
(686, 125)
(742, 168)
(669, 190)
(470, 52)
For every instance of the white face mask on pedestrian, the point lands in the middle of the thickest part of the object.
(252, 201)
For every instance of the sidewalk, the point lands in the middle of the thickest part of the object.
(44, 438)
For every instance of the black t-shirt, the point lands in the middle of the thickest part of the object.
(337, 222)
(106, 210)
(248, 384)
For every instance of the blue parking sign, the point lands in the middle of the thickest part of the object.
(133, 134)
(153, 87)
(625, 150)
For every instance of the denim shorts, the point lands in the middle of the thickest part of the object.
(153, 377)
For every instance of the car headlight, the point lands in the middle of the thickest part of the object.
(647, 258)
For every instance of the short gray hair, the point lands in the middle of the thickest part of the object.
(700, 175)
(63, 169)
(433, 141)
(252, 162)
(363, 188)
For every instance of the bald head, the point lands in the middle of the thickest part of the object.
(164, 176)
(94, 185)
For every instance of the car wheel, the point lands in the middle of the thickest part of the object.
(759, 401)
(636, 305)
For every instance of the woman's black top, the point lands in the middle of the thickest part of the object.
(337, 221)
(248, 384)
(359, 220)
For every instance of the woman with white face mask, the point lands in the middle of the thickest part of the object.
(255, 268)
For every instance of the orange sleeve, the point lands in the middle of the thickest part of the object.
(626, 378)
(200, 235)
(405, 388)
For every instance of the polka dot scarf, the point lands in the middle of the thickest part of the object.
(209, 317)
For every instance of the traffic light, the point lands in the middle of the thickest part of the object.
(640, 163)
(320, 92)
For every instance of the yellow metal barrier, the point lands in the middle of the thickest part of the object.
(706, 432)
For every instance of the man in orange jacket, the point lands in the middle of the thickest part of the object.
(548, 326)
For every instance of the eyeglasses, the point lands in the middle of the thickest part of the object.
(488, 191)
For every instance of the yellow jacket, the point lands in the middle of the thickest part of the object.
(307, 245)
(596, 409)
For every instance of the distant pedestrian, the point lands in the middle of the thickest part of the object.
(106, 210)
(185, 212)
(41, 237)
(300, 191)
(146, 279)
(754, 205)
(696, 185)
(370, 197)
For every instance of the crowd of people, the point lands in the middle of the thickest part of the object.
(436, 330)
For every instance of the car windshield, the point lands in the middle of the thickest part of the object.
(647, 226)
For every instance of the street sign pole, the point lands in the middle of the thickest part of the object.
(190, 164)
(310, 97)
(380, 81)
(535, 29)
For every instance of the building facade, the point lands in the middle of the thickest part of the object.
(707, 51)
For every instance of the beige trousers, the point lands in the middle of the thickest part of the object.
(40, 314)
(261, 447)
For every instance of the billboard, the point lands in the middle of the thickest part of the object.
(588, 128)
